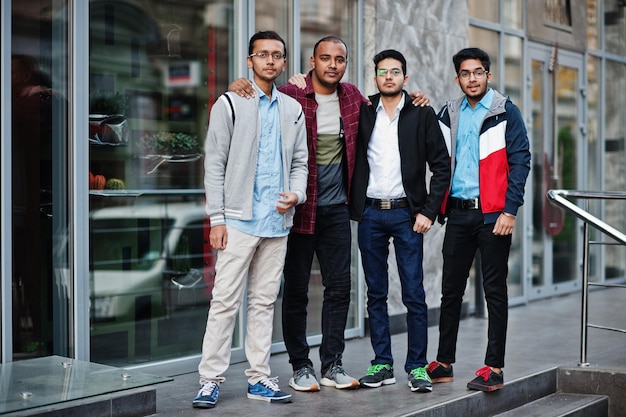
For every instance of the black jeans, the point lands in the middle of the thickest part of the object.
(332, 244)
(465, 233)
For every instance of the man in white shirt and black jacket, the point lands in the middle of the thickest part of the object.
(389, 198)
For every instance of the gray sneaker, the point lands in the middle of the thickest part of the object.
(337, 377)
(304, 380)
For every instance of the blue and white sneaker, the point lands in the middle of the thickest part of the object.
(267, 390)
(207, 396)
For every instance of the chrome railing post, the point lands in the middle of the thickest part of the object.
(585, 298)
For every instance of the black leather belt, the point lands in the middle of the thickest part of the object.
(387, 204)
(471, 204)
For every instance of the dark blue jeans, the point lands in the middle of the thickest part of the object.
(375, 230)
(332, 243)
(466, 233)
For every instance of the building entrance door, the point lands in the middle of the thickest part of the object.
(557, 134)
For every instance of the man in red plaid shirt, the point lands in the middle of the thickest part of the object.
(322, 224)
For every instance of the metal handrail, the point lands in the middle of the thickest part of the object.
(559, 197)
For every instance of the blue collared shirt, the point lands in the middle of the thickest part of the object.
(268, 182)
(465, 184)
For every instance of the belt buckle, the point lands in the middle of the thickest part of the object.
(472, 204)
(385, 204)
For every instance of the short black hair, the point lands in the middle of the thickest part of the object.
(471, 53)
(330, 38)
(265, 34)
(389, 53)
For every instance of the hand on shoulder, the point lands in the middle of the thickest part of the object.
(242, 87)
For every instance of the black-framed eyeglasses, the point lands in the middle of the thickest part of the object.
(478, 74)
(265, 55)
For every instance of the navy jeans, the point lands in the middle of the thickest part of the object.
(466, 233)
(375, 230)
(332, 243)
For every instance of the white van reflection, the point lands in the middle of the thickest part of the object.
(148, 261)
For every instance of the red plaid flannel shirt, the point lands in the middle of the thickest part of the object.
(350, 99)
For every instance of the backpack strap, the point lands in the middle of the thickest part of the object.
(232, 107)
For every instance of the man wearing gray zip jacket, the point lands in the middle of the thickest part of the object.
(255, 173)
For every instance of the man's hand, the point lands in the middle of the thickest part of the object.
(218, 237)
(242, 87)
(419, 99)
(422, 224)
(287, 201)
(504, 225)
(299, 80)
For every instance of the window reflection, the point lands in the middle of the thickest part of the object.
(41, 286)
(155, 69)
(615, 155)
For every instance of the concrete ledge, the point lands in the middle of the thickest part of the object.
(596, 381)
(136, 402)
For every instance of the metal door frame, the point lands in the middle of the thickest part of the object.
(575, 60)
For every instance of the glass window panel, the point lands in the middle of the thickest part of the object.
(615, 27)
(565, 162)
(558, 12)
(512, 78)
(321, 18)
(594, 24)
(155, 69)
(487, 40)
(614, 162)
(540, 121)
(484, 9)
(594, 156)
(41, 283)
(513, 65)
(512, 13)
(276, 15)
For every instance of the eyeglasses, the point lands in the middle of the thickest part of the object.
(479, 73)
(382, 72)
(265, 55)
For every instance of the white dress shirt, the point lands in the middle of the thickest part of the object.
(383, 156)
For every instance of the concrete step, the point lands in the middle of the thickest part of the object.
(563, 404)
(516, 393)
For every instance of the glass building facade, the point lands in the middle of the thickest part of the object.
(105, 255)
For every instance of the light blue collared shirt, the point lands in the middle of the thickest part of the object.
(465, 183)
(268, 182)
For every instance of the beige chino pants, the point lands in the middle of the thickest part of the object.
(258, 262)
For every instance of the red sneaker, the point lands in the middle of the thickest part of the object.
(438, 373)
(486, 380)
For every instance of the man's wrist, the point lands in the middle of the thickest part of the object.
(508, 214)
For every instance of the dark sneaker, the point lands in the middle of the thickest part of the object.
(438, 373)
(419, 380)
(207, 396)
(337, 377)
(486, 380)
(267, 390)
(304, 380)
(378, 375)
